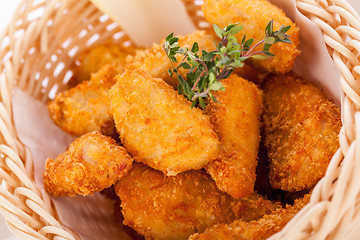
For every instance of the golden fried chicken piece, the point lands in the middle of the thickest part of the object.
(155, 62)
(92, 163)
(86, 107)
(253, 207)
(158, 127)
(248, 72)
(254, 230)
(93, 59)
(301, 132)
(254, 16)
(236, 120)
(161, 207)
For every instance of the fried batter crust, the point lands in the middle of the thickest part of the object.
(301, 131)
(86, 107)
(254, 230)
(254, 16)
(161, 207)
(253, 207)
(236, 120)
(93, 59)
(155, 62)
(92, 163)
(158, 127)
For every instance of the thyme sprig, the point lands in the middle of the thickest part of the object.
(205, 70)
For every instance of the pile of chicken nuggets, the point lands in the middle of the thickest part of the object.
(180, 172)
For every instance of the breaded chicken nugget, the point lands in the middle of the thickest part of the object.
(301, 132)
(253, 207)
(254, 230)
(155, 62)
(236, 120)
(92, 163)
(254, 15)
(248, 72)
(161, 207)
(86, 107)
(158, 127)
(93, 59)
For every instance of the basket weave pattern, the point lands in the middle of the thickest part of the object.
(36, 53)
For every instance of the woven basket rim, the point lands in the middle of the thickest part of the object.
(29, 211)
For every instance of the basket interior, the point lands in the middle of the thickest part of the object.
(49, 54)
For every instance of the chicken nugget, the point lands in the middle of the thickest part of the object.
(254, 15)
(236, 120)
(155, 62)
(92, 163)
(248, 72)
(161, 207)
(86, 107)
(301, 131)
(254, 230)
(253, 207)
(158, 127)
(94, 58)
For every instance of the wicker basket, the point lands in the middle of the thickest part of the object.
(36, 53)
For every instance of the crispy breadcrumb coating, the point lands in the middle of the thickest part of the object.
(236, 120)
(253, 207)
(86, 107)
(158, 127)
(248, 72)
(254, 16)
(155, 62)
(92, 163)
(94, 58)
(301, 131)
(254, 230)
(161, 207)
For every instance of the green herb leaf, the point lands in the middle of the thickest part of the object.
(260, 56)
(201, 102)
(170, 72)
(269, 40)
(170, 36)
(184, 65)
(205, 70)
(249, 42)
(218, 31)
(236, 29)
(215, 86)
(195, 47)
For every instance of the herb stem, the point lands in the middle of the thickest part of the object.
(182, 60)
(167, 54)
(205, 70)
(197, 81)
(201, 75)
(202, 62)
(253, 48)
(254, 53)
(221, 74)
(202, 94)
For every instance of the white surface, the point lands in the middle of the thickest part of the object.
(6, 9)
(154, 28)
(355, 4)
